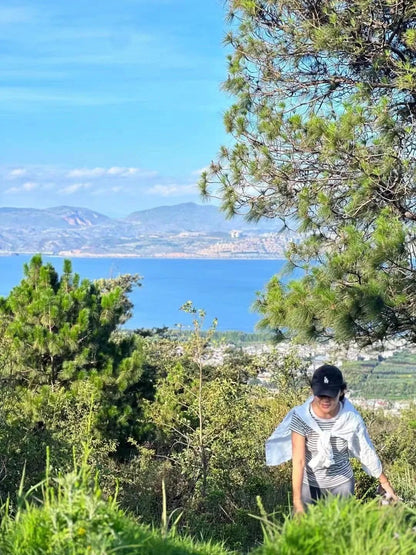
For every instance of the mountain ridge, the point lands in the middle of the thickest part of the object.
(182, 230)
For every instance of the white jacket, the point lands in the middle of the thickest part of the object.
(349, 426)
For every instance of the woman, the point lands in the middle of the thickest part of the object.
(320, 436)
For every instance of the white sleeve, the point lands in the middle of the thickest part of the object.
(279, 444)
(363, 450)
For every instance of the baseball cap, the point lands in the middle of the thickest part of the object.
(327, 380)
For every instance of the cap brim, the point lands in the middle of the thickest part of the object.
(322, 391)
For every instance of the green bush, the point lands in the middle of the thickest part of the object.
(69, 515)
(32, 420)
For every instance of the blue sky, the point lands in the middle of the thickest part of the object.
(114, 105)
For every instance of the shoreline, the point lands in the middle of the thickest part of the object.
(137, 256)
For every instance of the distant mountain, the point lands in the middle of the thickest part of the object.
(184, 230)
(191, 217)
(59, 217)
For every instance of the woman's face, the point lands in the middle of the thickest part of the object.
(328, 406)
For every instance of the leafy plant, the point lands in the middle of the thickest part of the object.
(322, 138)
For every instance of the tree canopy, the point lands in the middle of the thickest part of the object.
(324, 138)
(61, 335)
(59, 328)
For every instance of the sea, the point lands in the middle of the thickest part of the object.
(224, 289)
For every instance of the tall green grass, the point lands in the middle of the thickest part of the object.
(68, 516)
(340, 527)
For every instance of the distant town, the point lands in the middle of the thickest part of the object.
(378, 377)
(181, 231)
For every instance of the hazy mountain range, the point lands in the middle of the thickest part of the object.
(181, 230)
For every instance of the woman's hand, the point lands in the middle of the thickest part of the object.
(390, 493)
(385, 484)
(298, 508)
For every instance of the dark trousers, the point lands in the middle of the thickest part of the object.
(310, 494)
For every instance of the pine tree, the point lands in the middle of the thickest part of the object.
(62, 334)
(62, 328)
(325, 139)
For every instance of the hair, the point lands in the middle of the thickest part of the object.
(343, 390)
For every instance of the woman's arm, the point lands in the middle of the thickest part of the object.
(385, 484)
(298, 460)
(368, 457)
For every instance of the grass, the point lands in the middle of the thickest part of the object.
(337, 527)
(68, 515)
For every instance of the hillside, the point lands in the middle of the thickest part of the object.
(191, 217)
(60, 217)
(184, 230)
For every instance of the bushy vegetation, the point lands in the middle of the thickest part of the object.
(71, 517)
(178, 435)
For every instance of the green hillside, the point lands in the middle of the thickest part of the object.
(393, 378)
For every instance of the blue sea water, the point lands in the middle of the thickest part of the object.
(225, 289)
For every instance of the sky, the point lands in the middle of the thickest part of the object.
(112, 105)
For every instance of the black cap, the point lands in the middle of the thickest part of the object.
(327, 381)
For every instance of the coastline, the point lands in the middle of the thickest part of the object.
(185, 256)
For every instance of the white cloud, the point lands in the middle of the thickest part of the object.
(75, 188)
(24, 187)
(87, 172)
(114, 171)
(65, 175)
(123, 172)
(106, 188)
(172, 190)
(29, 186)
(17, 172)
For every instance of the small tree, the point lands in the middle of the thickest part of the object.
(62, 334)
(62, 328)
(179, 408)
(211, 426)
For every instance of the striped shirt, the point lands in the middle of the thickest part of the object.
(337, 473)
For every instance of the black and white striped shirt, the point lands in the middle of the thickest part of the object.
(337, 473)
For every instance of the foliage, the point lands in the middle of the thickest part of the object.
(62, 341)
(60, 328)
(211, 424)
(178, 423)
(63, 420)
(324, 138)
(342, 526)
(72, 517)
(394, 435)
